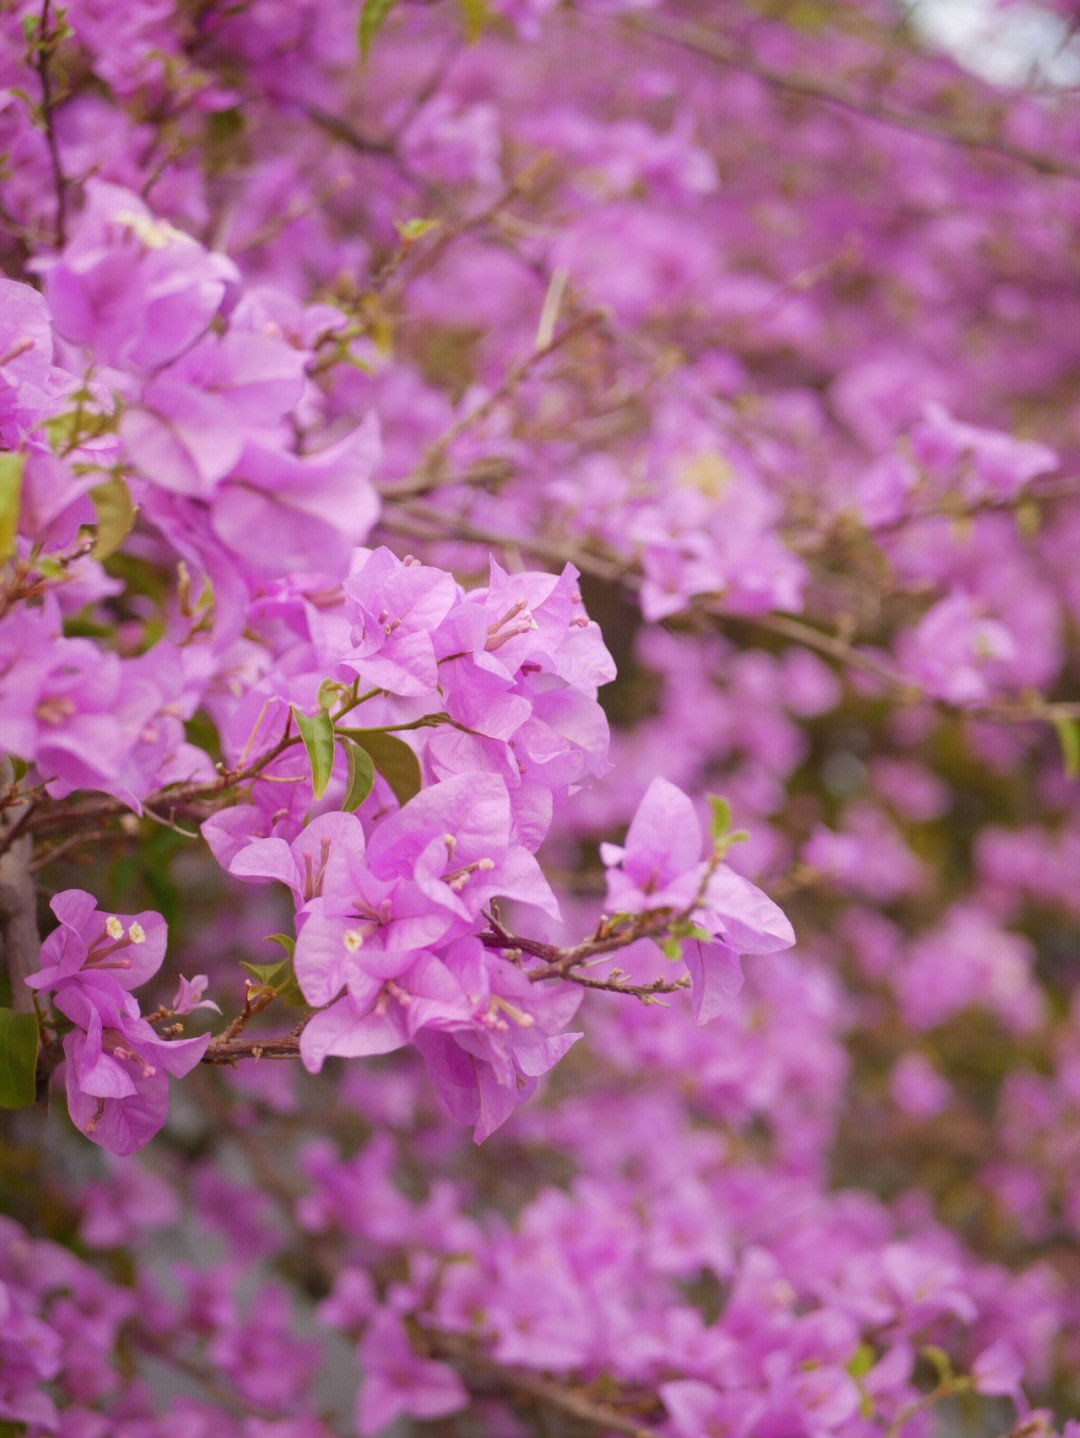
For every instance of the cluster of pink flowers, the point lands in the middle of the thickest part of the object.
(116, 1064)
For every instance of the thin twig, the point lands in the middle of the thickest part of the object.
(484, 1373)
(700, 41)
(427, 475)
(424, 520)
(559, 961)
(43, 47)
(231, 1051)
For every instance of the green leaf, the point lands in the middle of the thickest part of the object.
(361, 778)
(280, 978)
(18, 1058)
(1028, 518)
(371, 18)
(861, 1361)
(474, 15)
(411, 230)
(329, 693)
(672, 948)
(264, 974)
(719, 818)
(115, 515)
(1068, 732)
(317, 732)
(11, 476)
(940, 1361)
(393, 758)
(287, 942)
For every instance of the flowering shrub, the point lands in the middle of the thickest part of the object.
(457, 461)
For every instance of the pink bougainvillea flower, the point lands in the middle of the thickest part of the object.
(128, 947)
(398, 1381)
(661, 867)
(116, 1066)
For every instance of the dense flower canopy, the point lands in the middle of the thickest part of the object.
(539, 723)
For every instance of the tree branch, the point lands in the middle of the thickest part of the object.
(482, 1373)
(709, 46)
(19, 941)
(43, 48)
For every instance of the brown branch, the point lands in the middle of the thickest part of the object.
(231, 1051)
(699, 41)
(614, 984)
(560, 961)
(341, 130)
(21, 824)
(482, 1374)
(222, 1392)
(26, 581)
(42, 51)
(19, 941)
(256, 998)
(1032, 709)
(420, 519)
(172, 798)
(423, 520)
(1050, 492)
(427, 474)
(45, 856)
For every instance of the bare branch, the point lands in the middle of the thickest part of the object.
(710, 46)
(485, 1375)
(19, 941)
(42, 50)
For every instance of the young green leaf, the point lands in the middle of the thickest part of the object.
(11, 475)
(939, 1360)
(371, 18)
(719, 818)
(280, 978)
(411, 230)
(330, 691)
(18, 1058)
(317, 732)
(393, 759)
(361, 777)
(115, 515)
(474, 15)
(862, 1360)
(1068, 732)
